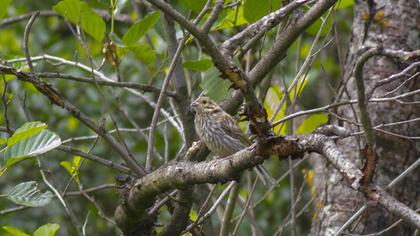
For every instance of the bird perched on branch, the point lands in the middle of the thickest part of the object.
(221, 132)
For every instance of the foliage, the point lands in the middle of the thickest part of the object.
(30, 140)
(79, 13)
(141, 53)
(44, 230)
(28, 194)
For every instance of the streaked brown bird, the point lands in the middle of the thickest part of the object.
(221, 132)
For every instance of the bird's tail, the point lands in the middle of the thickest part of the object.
(265, 176)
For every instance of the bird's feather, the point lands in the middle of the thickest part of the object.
(232, 128)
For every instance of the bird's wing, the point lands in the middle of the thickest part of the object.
(232, 128)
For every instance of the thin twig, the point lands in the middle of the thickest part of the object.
(97, 159)
(230, 206)
(292, 198)
(245, 209)
(14, 209)
(90, 190)
(217, 8)
(383, 232)
(304, 208)
(262, 25)
(365, 206)
(212, 209)
(101, 213)
(46, 13)
(26, 39)
(80, 164)
(415, 76)
(162, 202)
(92, 137)
(267, 193)
(397, 75)
(142, 87)
(67, 208)
(162, 95)
(305, 67)
(57, 99)
(100, 76)
(6, 105)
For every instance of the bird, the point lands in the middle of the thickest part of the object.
(221, 132)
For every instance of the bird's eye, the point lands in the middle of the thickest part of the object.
(204, 102)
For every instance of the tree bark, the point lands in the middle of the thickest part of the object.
(391, 24)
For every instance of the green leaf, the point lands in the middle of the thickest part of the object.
(46, 230)
(73, 168)
(121, 4)
(271, 102)
(193, 215)
(194, 5)
(6, 78)
(315, 27)
(344, 4)
(200, 65)
(2, 141)
(3, 7)
(37, 144)
(234, 17)
(213, 86)
(144, 53)
(28, 194)
(300, 86)
(255, 9)
(122, 51)
(79, 13)
(139, 29)
(25, 131)
(311, 123)
(67, 166)
(77, 161)
(13, 231)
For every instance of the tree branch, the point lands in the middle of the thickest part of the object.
(217, 8)
(230, 206)
(95, 158)
(361, 95)
(362, 101)
(226, 66)
(111, 83)
(262, 25)
(46, 13)
(394, 206)
(286, 39)
(57, 99)
(181, 174)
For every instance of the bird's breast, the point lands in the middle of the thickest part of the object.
(215, 138)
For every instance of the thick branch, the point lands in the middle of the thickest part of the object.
(264, 24)
(326, 146)
(362, 102)
(217, 8)
(229, 70)
(361, 95)
(274, 55)
(286, 39)
(394, 206)
(182, 174)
